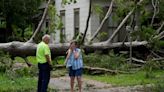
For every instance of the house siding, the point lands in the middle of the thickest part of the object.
(83, 6)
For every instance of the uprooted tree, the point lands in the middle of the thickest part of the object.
(135, 14)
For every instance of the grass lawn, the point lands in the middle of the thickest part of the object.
(23, 84)
(128, 79)
(138, 78)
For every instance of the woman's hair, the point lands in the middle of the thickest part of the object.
(75, 42)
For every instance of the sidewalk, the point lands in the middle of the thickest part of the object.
(61, 84)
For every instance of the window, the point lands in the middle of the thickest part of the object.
(62, 32)
(76, 22)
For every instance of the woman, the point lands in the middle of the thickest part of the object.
(74, 63)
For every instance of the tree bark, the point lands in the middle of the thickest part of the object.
(154, 4)
(160, 35)
(38, 29)
(104, 45)
(103, 21)
(159, 29)
(29, 49)
(87, 23)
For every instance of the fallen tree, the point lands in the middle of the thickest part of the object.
(96, 70)
(29, 49)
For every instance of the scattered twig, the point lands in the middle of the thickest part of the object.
(159, 29)
(158, 59)
(155, 54)
(137, 60)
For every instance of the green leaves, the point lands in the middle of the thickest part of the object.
(55, 21)
(18, 15)
(148, 34)
(161, 9)
(19, 10)
(2, 24)
(103, 36)
(98, 10)
(51, 14)
(28, 32)
(123, 7)
(109, 61)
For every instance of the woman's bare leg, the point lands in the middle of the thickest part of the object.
(72, 83)
(79, 80)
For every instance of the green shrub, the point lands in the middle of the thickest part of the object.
(59, 60)
(149, 67)
(159, 85)
(110, 61)
(5, 62)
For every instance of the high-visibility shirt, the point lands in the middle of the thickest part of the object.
(41, 52)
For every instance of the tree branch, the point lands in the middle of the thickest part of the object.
(155, 54)
(161, 35)
(38, 29)
(105, 45)
(154, 4)
(96, 70)
(122, 23)
(137, 60)
(103, 21)
(159, 29)
(120, 26)
(87, 22)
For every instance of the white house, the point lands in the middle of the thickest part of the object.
(74, 17)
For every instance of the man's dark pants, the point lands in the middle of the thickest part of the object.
(44, 77)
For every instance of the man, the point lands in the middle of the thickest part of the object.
(43, 56)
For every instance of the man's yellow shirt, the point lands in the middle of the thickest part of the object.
(42, 50)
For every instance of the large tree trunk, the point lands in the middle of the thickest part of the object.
(96, 70)
(29, 49)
